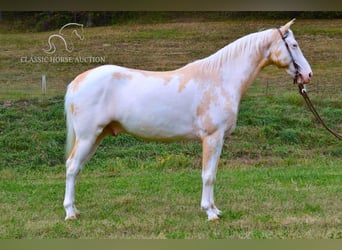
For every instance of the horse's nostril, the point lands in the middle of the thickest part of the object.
(310, 75)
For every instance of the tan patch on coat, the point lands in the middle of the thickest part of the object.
(167, 76)
(210, 97)
(183, 84)
(276, 53)
(209, 150)
(73, 109)
(78, 80)
(118, 75)
(275, 57)
(208, 124)
(187, 73)
(200, 76)
(74, 149)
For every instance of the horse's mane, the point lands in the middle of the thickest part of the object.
(252, 43)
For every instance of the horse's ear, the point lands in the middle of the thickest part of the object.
(286, 27)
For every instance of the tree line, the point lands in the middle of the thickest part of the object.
(52, 20)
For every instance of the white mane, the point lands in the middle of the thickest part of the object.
(244, 46)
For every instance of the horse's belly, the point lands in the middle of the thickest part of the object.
(154, 110)
(161, 123)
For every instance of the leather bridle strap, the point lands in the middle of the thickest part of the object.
(296, 66)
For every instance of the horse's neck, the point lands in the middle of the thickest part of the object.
(239, 72)
(245, 71)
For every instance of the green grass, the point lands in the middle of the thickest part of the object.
(279, 174)
(286, 202)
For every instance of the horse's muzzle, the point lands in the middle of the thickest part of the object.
(304, 78)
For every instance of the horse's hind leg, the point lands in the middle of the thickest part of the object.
(81, 152)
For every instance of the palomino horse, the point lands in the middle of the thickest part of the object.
(198, 101)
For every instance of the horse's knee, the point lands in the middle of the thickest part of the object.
(72, 168)
(208, 178)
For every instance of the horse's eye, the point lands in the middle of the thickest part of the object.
(295, 46)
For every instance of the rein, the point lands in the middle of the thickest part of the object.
(303, 92)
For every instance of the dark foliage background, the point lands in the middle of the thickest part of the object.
(51, 20)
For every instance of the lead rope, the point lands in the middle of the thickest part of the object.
(303, 92)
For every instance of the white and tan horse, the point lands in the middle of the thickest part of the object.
(198, 101)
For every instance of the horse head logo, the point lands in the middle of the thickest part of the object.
(77, 30)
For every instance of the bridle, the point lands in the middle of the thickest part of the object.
(296, 66)
(302, 89)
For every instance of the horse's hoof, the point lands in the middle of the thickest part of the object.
(71, 218)
(213, 218)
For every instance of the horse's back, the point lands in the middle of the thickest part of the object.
(93, 78)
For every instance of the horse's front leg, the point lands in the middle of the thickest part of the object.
(212, 147)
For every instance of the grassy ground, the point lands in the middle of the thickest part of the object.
(279, 174)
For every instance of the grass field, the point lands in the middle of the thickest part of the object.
(280, 174)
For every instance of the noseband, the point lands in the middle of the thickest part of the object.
(283, 37)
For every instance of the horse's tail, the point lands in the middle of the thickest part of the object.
(70, 139)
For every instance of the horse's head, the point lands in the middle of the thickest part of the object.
(285, 53)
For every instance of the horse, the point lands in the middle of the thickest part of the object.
(198, 101)
(61, 36)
